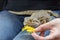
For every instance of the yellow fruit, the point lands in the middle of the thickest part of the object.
(28, 28)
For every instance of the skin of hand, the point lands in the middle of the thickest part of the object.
(53, 26)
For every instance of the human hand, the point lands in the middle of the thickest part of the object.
(53, 26)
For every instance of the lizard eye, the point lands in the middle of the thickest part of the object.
(30, 20)
(36, 20)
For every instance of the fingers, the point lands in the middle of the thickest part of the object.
(51, 36)
(37, 37)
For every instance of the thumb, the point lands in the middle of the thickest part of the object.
(45, 26)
